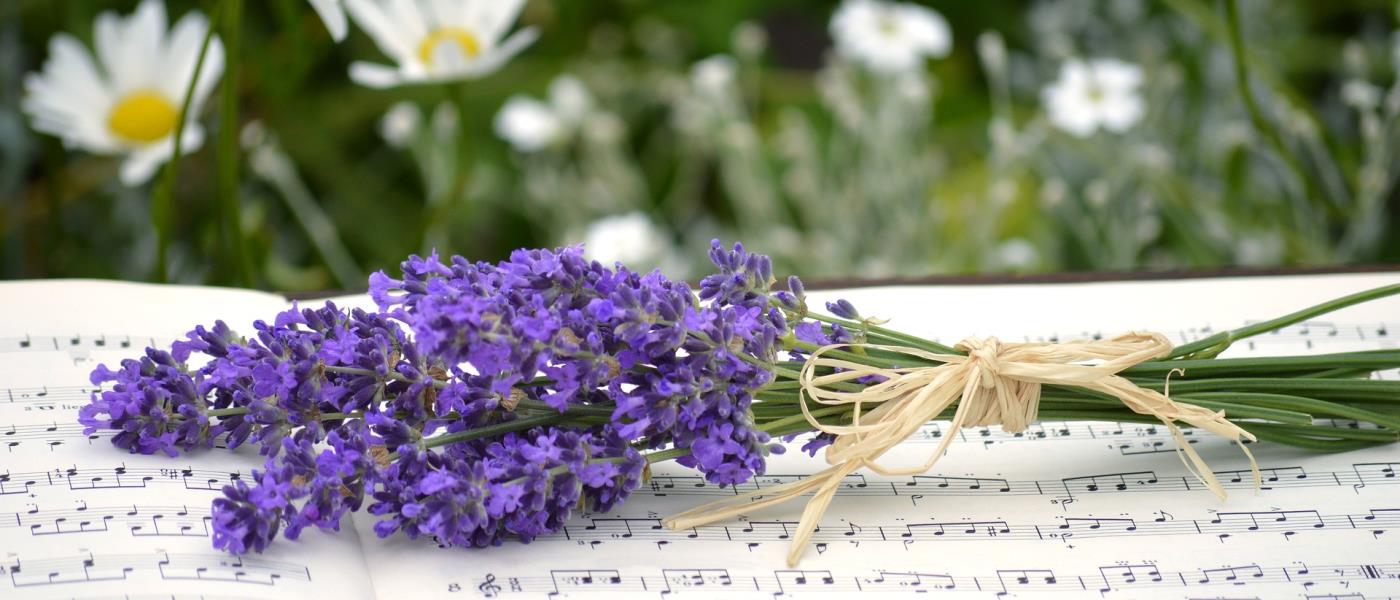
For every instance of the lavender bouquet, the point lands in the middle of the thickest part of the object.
(486, 402)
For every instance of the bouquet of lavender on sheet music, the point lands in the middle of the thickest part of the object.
(486, 402)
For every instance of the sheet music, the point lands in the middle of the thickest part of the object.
(80, 518)
(1068, 509)
(1061, 510)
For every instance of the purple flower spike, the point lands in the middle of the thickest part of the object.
(143, 405)
(347, 405)
(844, 309)
(248, 518)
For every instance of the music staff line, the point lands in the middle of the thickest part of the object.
(119, 477)
(1145, 438)
(139, 521)
(52, 435)
(170, 566)
(1361, 475)
(1126, 438)
(1122, 577)
(47, 394)
(1307, 331)
(595, 530)
(78, 342)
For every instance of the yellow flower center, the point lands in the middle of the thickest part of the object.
(888, 26)
(143, 117)
(463, 38)
(1095, 93)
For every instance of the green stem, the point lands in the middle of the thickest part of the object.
(439, 214)
(802, 418)
(1313, 406)
(1215, 344)
(1225, 402)
(1292, 437)
(597, 410)
(1369, 360)
(1251, 104)
(270, 162)
(227, 412)
(231, 214)
(1333, 389)
(163, 194)
(493, 430)
(866, 359)
(891, 335)
(667, 454)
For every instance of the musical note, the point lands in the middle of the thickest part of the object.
(678, 580)
(1290, 522)
(793, 581)
(590, 580)
(488, 587)
(1131, 579)
(1026, 579)
(1273, 478)
(50, 394)
(118, 477)
(81, 343)
(168, 566)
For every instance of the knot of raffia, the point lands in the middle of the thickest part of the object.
(994, 383)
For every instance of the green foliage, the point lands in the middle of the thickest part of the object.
(971, 177)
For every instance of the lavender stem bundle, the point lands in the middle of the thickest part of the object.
(485, 402)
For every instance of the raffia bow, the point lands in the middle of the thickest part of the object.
(998, 384)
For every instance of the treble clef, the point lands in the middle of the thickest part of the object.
(488, 587)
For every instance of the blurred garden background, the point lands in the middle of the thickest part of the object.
(847, 139)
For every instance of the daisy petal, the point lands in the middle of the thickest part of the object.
(375, 76)
(69, 98)
(141, 164)
(208, 76)
(182, 52)
(512, 46)
(1120, 111)
(386, 30)
(333, 15)
(1116, 75)
(495, 17)
(527, 124)
(142, 43)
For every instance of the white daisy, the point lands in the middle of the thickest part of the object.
(714, 76)
(437, 40)
(531, 125)
(889, 37)
(332, 13)
(1093, 94)
(127, 102)
(400, 124)
(631, 239)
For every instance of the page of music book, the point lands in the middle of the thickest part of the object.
(1074, 509)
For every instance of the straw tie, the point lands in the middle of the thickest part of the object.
(995, 383)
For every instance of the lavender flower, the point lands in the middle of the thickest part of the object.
(524, 484)
(678, 372)
(414, 406)
(247, 518)
(155, 403)
(844, 309)
(279, 379)
(485, 402)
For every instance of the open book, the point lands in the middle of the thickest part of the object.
(1070, 508)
